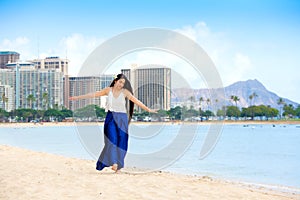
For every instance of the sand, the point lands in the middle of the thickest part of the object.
(25, 174)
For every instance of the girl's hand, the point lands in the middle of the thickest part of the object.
(73, 98)
(153, 110)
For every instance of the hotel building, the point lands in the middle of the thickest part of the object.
(89, 84)
(152, 85)
(37, 89)
(8, 57)
(7, 97)
(53, 62)
(58, 64)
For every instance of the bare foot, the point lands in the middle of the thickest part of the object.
(114, 167)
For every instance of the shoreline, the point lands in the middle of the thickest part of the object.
(28, 174)
(270, 122)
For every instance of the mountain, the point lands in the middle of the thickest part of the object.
(241, 89)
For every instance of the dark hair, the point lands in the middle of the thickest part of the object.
(127, 86)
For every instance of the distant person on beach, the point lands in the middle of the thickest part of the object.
(116, 122)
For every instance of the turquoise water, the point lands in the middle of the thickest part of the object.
(264, 154)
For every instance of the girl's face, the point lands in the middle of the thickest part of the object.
(120, 83)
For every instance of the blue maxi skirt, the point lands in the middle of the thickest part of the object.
(115, 140)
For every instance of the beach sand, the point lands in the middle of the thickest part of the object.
(25, 174)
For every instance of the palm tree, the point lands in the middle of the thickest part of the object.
(201, 99)
(4, 100)
(208, 103)
(45, 100)
(252, 96)
(216, 107)
(235, 99)
(31, 99)
(280, 102)
(192, 99)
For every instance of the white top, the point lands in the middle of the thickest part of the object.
(114, 104)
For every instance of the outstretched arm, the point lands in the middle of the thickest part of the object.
(138, 102)
(103, 92)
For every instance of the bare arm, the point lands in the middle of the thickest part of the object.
(100, 93)
(138, 102)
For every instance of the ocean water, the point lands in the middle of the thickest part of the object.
(263, 154)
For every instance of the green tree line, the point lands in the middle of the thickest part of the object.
(94, 112)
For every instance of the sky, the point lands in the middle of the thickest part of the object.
(250, 39)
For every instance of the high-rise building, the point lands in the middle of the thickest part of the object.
(7, 79)
(56, 63)
(130, 76)
(37, 89)
(52, 62)
(7, 97)
(152, 85)
(8, 57)
(105, 80)
(66, 91)
(84, 85)
(127, 73)
(80, 86)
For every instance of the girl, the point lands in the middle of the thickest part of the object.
(116, 122)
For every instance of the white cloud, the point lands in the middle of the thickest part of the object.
(250, 59)
(76, 48)
(200, 30)
(22, 41)
(242, 65)
(20, 44)
(242, 61)
(159, 57)
(231, 63)
(16, 43)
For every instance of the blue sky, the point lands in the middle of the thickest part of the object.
(245, 39)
